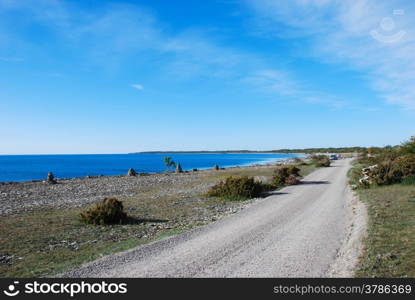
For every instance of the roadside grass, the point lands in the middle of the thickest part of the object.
(49, 241)
(389, 249)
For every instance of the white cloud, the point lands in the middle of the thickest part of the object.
(340, 31)
(137, 86)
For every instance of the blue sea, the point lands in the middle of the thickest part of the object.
(36, 167)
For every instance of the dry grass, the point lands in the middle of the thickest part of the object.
(390, 245)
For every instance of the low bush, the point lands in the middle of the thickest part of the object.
(320, 160)
(323, 163)
(394, 171)
(238, 188)
(383, 174)
(282, 174)
(109, 211)
(292, 180)
(293, 170)
(405, 165)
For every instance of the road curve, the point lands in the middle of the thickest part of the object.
(296, 232)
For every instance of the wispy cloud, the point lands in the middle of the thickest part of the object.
(342, 32)
(137, 86)
(117, 34)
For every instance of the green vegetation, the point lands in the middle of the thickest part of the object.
(389, 194)
(389, 247)
(323, 150)
(169, 163)
(238, 188)
(285, 176)
(320, 161)
(241, 188)
(109, 211)
(304, 150)
(388, 165)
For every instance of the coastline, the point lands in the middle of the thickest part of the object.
(46, 216)
(185, 169)
(25, 196)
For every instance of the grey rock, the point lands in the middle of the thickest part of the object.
(131, 172)
(179, 168)
(51, 178)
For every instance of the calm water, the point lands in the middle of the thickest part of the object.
(35, 167)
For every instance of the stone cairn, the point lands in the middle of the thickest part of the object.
(367, 174)
(51, 178)
(131, 172)
(216, 167)
(179, 168)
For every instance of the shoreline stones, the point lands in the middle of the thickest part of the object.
(132, 172)
(51, 178)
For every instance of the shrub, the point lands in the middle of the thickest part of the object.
(409, 146)
(292, 180)
(320, 160)
(109, 211)
(282, 174)
(323, 163)
(383, 174)
(293, 170)
(237, 188)
(393, 171)
(405, 165)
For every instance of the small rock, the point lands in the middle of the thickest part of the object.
(216, 167)
(51, 178)
(179, 168)
(131, 172)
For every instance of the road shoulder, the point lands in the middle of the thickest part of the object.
(351, 249)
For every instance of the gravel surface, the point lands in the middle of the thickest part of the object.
(352, 247)
(68, 193)
(296, 232)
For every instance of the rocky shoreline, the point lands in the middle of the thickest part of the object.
(21, 197)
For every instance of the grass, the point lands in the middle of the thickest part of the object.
(50, 241)
(389, 249)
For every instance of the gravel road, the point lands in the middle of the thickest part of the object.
(296, 232)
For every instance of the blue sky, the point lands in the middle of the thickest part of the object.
(122, 76)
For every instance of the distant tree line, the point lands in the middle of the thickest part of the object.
(306, 150)
(322, 150)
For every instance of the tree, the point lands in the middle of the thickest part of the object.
(169, 163)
